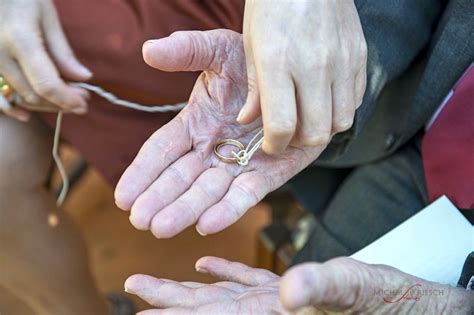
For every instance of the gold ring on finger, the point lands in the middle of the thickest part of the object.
(6, 89)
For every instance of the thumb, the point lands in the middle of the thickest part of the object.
(334, 285)
(184, 51)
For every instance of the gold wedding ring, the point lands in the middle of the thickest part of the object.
(6, 90)
(225, 142)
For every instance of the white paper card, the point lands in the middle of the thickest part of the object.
(433, 244)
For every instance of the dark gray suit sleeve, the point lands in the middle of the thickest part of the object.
(396, 32)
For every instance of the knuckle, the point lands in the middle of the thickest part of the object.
(343, 124)
(360, 94)
(315, 140)
(363, 50)
(270, 58)
(12, 35)
(322, 59)
(345, 56)
(281, 129)
(47, 89)
(344, 47)
(16, 36)
(339, 262)
(32, 99)
(275, 54)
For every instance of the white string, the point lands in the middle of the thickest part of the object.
(117, 101)
(58, 162)
(112, 99)
(243, 156)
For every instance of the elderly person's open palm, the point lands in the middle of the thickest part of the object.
(341, 285)
(176, 180)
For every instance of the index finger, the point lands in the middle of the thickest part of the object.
(234, 271)
(165, 294)
(43, 75)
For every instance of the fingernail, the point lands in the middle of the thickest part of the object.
(201, 270)
(85, 71)
(200, 233)
(149, 42)
(126, 288)
(79, 110)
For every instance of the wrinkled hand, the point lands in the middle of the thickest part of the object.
(34, 54)
(243, 290)
(176, 181)
(339, 285)
(306, 64)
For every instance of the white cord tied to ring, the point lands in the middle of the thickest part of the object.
(112, 99)
(243, 156)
